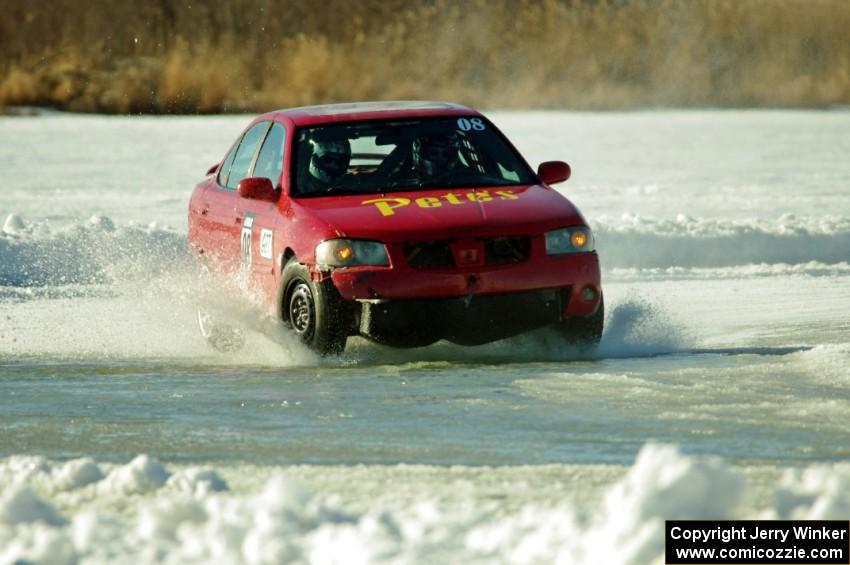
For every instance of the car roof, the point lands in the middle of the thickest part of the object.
(355, 111)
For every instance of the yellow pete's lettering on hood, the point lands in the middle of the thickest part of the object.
(386, 205)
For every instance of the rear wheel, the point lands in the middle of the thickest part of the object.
(584, 331)
(314, 311)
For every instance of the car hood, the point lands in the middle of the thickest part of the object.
(445, 213)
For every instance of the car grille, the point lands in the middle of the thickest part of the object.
(504, 250)
(429, 255)
(439, 255)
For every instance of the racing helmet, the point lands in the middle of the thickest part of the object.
(433, 154)
(330, 159)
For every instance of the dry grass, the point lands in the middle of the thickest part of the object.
(249, 55)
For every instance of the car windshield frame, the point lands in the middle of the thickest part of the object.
(523, 171)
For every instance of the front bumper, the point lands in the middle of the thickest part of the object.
(399, 281)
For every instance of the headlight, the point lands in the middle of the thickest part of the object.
(351, 252)
(569, 240)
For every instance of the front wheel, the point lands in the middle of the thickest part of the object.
(314, 311)
(586, 331)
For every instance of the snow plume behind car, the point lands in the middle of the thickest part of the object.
(112, 291)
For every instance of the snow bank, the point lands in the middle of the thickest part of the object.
(46, 477)
(628, 528)
(811, 269)
(638, 242)
(818, 493)
(21, 506)
(143, 512)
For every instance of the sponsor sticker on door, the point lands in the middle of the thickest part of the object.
(266, 240)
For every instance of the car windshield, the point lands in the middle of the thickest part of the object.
(409, 154)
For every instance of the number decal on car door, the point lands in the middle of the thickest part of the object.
(245, 247)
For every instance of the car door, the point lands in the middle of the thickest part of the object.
(259, 217)
(223, 220)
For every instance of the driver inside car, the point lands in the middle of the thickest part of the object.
(436, 155)
(328, 164)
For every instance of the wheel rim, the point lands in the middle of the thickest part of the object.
(301, 311)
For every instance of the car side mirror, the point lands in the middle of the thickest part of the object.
(257, 188)
(213, 169)
(551, 172)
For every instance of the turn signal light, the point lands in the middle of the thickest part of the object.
(578, 239)
(344, 253)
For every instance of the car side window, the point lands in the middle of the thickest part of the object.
(245, 154)
(270, 161)
(224, 170)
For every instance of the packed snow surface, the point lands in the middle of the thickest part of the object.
(720, 388)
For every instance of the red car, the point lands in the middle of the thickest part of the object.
(402, 222)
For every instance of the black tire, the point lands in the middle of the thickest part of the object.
(584, 331)
(314, 311)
